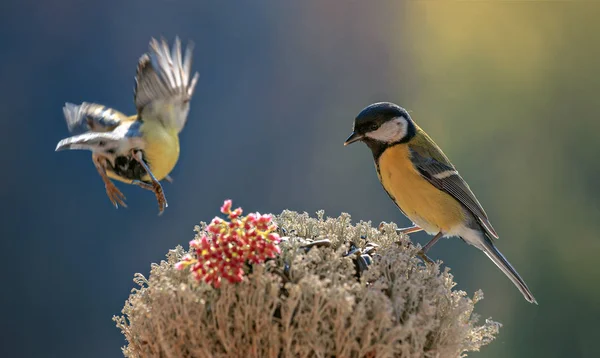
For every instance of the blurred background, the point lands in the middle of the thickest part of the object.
(508, 89)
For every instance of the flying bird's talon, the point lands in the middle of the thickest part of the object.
(154, 185)
(116, 197)
(160, 197)
(158, 191)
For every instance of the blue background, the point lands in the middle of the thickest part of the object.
(509, 90)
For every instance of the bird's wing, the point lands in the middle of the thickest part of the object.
(446, 178)
(91, 141)
(91, 117)
(122, 138)
(163, 87)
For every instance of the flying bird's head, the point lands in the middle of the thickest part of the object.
(382, 124)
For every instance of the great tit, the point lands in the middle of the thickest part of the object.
(424, 184)
(141, 149)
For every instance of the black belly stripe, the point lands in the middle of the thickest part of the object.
(129, 168)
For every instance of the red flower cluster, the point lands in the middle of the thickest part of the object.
(223, 250)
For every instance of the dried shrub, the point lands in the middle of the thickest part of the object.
(308, 301)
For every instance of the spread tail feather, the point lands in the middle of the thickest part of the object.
(496, 256)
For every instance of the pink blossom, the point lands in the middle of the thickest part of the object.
(223, 251)
(226, 208)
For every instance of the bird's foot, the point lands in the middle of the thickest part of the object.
(424, 257)
(160, 197)
(116, 197)
(420, 253)
(157, 189)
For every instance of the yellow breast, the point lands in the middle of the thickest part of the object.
(428, 207)
(161, 150)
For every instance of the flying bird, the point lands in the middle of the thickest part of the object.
(141, 149)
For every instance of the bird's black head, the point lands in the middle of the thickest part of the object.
(381, 125)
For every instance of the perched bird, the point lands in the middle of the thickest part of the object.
(425, 186)
(141, 149)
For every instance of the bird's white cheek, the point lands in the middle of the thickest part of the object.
(391, 131)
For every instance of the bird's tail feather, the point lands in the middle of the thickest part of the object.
(496, 256)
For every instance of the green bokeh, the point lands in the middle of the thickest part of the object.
(510, 91)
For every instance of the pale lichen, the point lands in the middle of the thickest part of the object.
(308, 302)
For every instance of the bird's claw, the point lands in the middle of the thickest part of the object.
(157, 189)
(115, 195)
(424, 257)
(160, 198)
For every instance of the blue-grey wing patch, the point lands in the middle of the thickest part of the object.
(91, 117)
(447, 178)
(163, 87)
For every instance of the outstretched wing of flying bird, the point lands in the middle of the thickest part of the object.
(91, 117)
(163, 86)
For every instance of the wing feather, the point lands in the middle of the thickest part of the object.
(94, 141)
(91, 117)
(163, 88)
(444, 176)
(108, 143)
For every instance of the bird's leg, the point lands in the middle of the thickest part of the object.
(423, 252)
(155, 186)
(432, 242)
(169, 179)
(143, 185)
(424, 257)
(405, 231)
(116, 197)
(409, 230)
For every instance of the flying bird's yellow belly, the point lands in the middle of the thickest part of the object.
(428, 207)
(161, 152)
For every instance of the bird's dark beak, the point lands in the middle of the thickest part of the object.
(354, 137)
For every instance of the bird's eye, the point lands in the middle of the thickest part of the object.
(373, 127)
